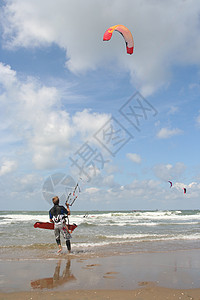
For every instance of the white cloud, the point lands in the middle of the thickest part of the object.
(110, 168)
(7, 76)
(7, 166)
(165, 133)
(78, 27)
(29, 183)
(91, 190)
(168, 171)
(173, 110)
(134, 157)
(130, 196)
(194, 86)
(142, 194)
(87, 123)
(198, 119)
(44, 129)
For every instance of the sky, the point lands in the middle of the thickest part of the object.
(75, 108)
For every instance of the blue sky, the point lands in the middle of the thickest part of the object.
(62, 87)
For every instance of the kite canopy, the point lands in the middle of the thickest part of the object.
(184, 190)
(170, 183)
(125, 32)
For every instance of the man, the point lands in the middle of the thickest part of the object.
(57, 215)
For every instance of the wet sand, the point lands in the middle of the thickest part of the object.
(150, 293)
(156, 275)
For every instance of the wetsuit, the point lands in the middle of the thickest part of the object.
(58, 214)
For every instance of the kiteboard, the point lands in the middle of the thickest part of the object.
(48, 225)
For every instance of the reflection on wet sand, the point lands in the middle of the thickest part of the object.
(56, 280)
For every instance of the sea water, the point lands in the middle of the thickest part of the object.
(104, 231)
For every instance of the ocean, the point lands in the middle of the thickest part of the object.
(101, 232)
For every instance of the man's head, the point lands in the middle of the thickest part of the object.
(55, 200)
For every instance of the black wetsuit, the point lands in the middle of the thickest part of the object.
(58, 213)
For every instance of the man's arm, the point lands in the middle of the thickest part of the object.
(68, 210)
(50, 217)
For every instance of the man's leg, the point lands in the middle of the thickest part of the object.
(67, 237)
(57, 236)
(68, 244)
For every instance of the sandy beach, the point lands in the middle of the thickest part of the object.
(156, 275)
(147, 293)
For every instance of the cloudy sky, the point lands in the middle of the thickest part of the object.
(75, 107)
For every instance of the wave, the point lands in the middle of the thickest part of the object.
(103, 215)
(22, 218)
(85, 224)
(98, 228)
(109, 223)
(30, 246)
(132, 223)
(137, 216)
(101, 241)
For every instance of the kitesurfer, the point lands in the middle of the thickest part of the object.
(57, 215)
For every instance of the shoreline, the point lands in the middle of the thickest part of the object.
(129, 276)
(49, 250)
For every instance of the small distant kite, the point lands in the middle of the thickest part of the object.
(170, 183)
(184, 190)
(125, 32)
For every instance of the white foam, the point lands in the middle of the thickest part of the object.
(106, 228)
(24, 218)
